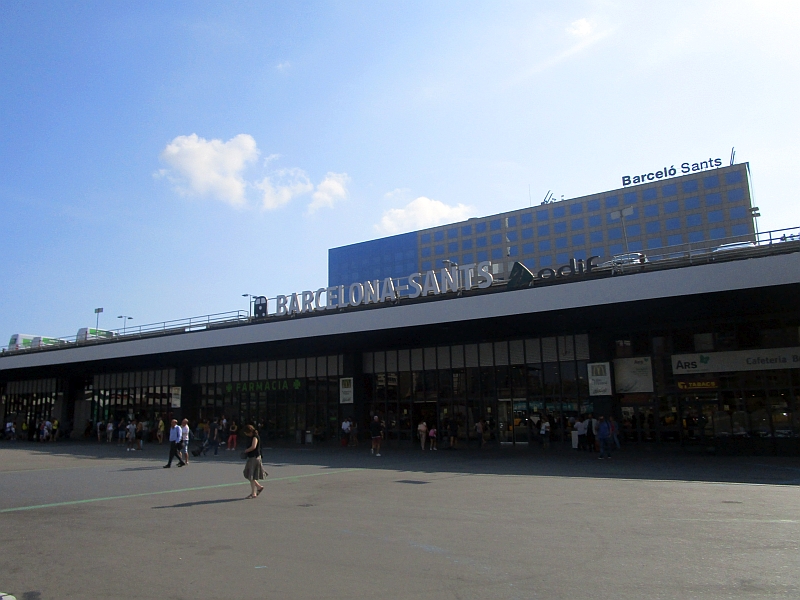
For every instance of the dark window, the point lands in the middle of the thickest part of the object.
(426, 252)
(542, 215)
(527, 233)
(438, 236)
(612, 201)
(466, 244)
(593, 205)
(671, 207)
(630, 198)
(596, 236)
(497, 253)
(561, 242)
(578, 240)
(466, 230)
(544, 246)
(438, 249)
(559, 211)
(672, 224)
(560, 227)
(615, 233)
(496, 238)
(669, 190)
(576, 224)
(576, 209)
(715, 216)
(711, 181)
(691, 203)
(735, 195)
(527, 248)
(689, 186)
(452, 247)
(425, 238)
(452, 233)
(481, 241)
(511, 236)
(595, 221)
(511, 222)
(713, 199)
(650, 194)
(483, 255)
(653, 227)
(480, 227)
(494, 224)
(543, 230)
(651, 211)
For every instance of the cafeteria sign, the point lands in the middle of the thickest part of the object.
(742, 360)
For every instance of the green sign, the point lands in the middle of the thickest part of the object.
(264, 386)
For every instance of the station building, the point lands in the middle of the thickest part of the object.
(695, 348)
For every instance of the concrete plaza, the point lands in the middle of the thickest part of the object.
(84, 520)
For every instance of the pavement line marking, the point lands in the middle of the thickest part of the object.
(191, 489)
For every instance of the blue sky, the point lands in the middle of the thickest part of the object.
(161, 159)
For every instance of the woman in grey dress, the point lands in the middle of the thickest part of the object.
(253, 469)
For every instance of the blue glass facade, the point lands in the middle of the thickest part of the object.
(700, 208)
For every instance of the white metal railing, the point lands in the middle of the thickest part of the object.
(150, 329)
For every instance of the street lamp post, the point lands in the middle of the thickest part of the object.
(249, 303)
(621, 214)
(755, 214)
(125, 319)
(97, 312)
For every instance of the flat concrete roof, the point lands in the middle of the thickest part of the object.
(753, 273)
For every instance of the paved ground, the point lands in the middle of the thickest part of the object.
(89, 521)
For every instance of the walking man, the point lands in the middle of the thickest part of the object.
(175, 435)
(375, 433)
(604, 437)
(185, 440)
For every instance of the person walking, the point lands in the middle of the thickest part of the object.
(614, 432)
(580, 427)
(232, 439)
(253, 469)
(375, 433)
(213, 437)
(345, 432)
(139, 434)
(590, 433)
(453, 434)
(130, 436)
(175, 435)
(604, 437)
(354, 433)
(432, 433)
(422, 431)
(185, 440)
(479, 432)
(160, 430)
(545, 432)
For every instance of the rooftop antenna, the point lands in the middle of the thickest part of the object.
(733, 155)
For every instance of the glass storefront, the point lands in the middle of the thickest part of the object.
(29, 402)
(507, 386)
(283, 398)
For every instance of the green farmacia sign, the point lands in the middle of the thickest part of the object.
(264, 386)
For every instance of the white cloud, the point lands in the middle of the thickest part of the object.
(280, 188)
(330, 189)
(210, 167)
(421, 213)
(283, 66)
(580, 28)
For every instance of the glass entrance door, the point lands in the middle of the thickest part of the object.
(521, 421)
(505, 421)
(699, 419)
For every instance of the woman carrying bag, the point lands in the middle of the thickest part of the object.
(253, 469)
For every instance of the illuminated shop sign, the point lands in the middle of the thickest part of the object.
(666, 172)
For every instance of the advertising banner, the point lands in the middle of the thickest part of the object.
(175, 396)
(742, 360)
(599, 379)
(346, 390)
(633, 375)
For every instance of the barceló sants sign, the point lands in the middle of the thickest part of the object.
(666, 172)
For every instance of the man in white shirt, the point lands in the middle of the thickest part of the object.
(175, 434)
(185, 440)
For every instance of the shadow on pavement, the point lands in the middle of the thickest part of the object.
(653, 462)
(200, 503)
